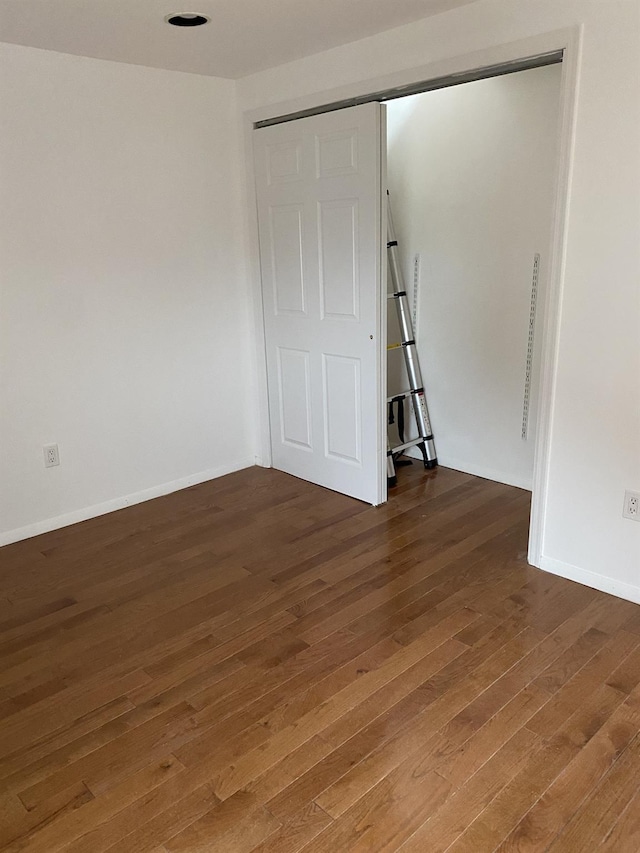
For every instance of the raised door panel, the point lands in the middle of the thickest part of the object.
(287, 258)
(338, 255)
(284, 162)
(342, 406)
(337, 153)
(294, 397)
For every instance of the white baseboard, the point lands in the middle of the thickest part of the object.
(48, 524)
(480, 471)
(595, 581)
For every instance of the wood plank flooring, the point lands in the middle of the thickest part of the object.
(258, 664)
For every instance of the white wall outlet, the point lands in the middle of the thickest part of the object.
(51, 455)
(631, 507)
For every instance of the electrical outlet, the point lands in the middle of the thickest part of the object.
(631, 506)
(51, 455)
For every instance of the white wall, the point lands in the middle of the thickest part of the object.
(123, 314)
(595, 416)
(471, 170)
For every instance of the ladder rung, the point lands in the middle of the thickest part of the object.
(404, 394)
(396, 295)
(401, 344)
(407, 444)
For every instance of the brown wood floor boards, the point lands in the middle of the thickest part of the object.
(258, 665)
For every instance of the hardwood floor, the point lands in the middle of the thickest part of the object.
(258, 664)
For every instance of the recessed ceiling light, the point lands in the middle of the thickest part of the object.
(186, 20)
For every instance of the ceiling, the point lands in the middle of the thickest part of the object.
(243, 36)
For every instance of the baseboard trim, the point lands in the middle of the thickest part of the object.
(478, 471)
(49, 524)
(595, 581)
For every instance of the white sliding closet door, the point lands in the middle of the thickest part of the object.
(320, 183)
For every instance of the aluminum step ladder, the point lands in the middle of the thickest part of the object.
(407, 344)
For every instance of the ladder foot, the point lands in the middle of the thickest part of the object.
(431, 463)
(399, 461)
(392, 481)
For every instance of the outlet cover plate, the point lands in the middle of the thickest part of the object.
(51, 455)
(631, 507)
